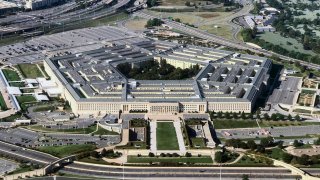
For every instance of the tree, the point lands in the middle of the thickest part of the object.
(289, 117)
(187, 3)
(287, 158)
(266, 142)
(266, 116)
(151, 154)
(274, 117)
(103, 153)
(297, 118)
(94, 154)
(220, 157)
(245, 177)
(252, 145)
(303, 160)
(151, 3)
(243, 115)
(317, 142)
(296, 143)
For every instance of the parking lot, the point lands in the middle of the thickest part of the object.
(28, 138)
(264, 132)
(7, 166)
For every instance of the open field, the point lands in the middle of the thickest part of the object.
(222, 30)
(166, 136)
(11, 75)
(196, 18)
(29, 70)
(136, 24)
(202, 159)
(63, 151)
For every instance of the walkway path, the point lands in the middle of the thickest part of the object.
(153, 136)
(177, 126)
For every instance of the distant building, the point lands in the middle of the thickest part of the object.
(7, 7)
(38, 4)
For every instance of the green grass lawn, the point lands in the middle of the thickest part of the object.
(228, 124)
(166, 136)
(102, 131)
(253, 162)
(198, 142)
(3, 103)
(24, 100)
(11, 75)
(202, 159)
(29, 70)
(44, 108)
(17, 84)
(67, 131)
(11, 118)
(64, 151)
(134, 145)
(94, 161)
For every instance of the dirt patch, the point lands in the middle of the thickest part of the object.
(208, 15)
(136, 24)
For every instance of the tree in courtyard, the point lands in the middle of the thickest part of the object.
(289, 117)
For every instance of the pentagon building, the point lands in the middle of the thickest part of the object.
(92, 84)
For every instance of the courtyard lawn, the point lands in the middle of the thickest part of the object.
(24, 100)
(3, 103)
(67, 150)
(202, 159)
(166, 136)
(30, 70)
(11, 75)
(198, 142)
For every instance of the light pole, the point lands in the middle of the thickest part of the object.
(122, 171)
